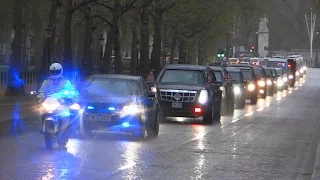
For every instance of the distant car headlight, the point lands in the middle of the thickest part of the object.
(132, 109)
(304, 68)
(269, 82)
(236, 90)
(280, 83)
(290, 76)
(284, 79)
(297, 73)
(301, 71)
(203, 97)
(251, 87)
(154, 89)
(261, 83)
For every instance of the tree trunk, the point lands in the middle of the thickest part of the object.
(173, 47)
(49, 45)
(144, 65)
(106, 67)
(182, 52)
(15, 83)
(117, 40)
(67, 50)
(134, 39)
(87, 50)
(156, 49)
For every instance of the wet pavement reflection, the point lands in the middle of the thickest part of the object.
(250, 144)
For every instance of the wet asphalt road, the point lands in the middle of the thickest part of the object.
(275, 139)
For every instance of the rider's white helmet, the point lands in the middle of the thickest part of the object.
(55, 70)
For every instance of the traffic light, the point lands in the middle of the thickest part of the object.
(252, 49)
(220, 53)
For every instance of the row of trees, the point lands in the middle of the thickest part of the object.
(189, 26)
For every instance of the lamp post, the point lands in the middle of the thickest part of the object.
(316, 47)
(138, 57)
(49, 35)
(100, 64)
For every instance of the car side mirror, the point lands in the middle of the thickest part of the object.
(151, 94)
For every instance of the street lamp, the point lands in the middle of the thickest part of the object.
(138, 56)
(257, 44)
(101, 40)
(317, 37)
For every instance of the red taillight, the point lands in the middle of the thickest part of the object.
(197, 110)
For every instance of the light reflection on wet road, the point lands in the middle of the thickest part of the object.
(270, 140)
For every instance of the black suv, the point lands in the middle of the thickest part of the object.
(238, 87)
(188, 91)
(224, 77)
(260, 78)
(271, 83)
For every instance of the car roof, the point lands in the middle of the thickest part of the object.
(216, 68)
(245, 65)
(233, 69)
(115, 76)
(185, 67)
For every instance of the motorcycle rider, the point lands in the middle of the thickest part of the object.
(55, 83)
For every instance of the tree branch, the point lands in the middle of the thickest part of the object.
(106, 6)
(81, 5)
(103, 19)
(128, 6)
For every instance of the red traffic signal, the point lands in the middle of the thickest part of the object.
(252, 47)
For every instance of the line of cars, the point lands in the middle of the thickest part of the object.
(131, 104)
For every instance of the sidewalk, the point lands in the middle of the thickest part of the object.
(316, 167)
(5, 100)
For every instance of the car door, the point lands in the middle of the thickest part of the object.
(151, 102)
(217, 93)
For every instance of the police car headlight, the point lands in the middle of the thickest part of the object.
(132, 109)
(261, 83)
(290, 76)
(203, 97)
(236, 90)
(269, 82)
(154, 89)
(251, 87)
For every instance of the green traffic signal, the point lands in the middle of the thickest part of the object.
(222, 55)
(219, 55)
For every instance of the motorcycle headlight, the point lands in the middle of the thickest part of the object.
(261, 83)
(285, 79)
(75, 106)
(203, 97)
(269, 82)
(290, 76)
(237, 90)
(132, 109)
(50, 104)
(251, 87)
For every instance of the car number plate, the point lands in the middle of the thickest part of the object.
(99, 118)
(176, 104)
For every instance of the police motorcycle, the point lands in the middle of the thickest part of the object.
(59, 117)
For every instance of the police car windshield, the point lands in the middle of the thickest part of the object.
(111, 87)
(247, 74)
(182, 76)
(235, 76)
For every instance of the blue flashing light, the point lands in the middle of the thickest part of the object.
(111, 108)
(90, 107)
(125, 124)
(66, 114)
(66, 92)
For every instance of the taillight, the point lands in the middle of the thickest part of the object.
(197, 110)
